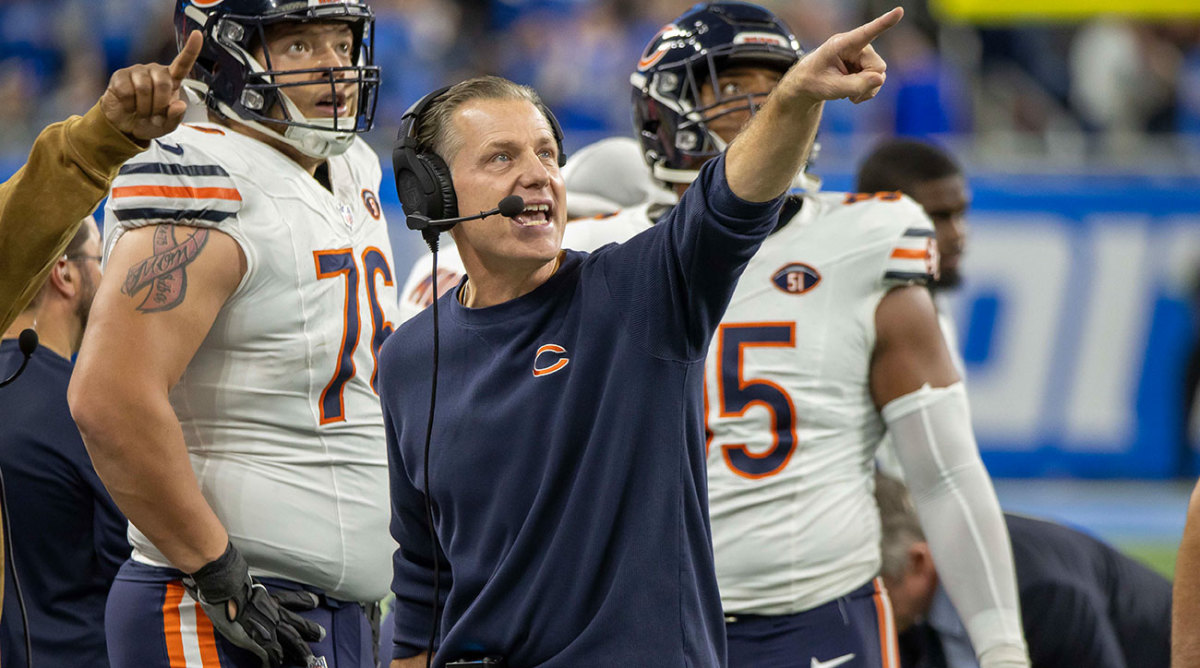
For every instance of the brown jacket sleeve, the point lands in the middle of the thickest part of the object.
(68, 172)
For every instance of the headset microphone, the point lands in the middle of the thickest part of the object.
(27, 341)
(509, 207)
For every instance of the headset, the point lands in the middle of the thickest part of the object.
(423, 181)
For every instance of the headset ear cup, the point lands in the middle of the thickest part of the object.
(423, 183)
(409, 191)
(440, 171)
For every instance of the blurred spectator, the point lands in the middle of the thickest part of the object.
(930, 96)
(1187, 85)
(17, 79)
(1122, 77)
(588, 67)
(419, 42)
(83, 80)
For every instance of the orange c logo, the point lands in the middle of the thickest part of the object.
(648, 60)
(555, 366)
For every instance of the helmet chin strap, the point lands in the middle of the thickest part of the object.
(321, 143)
(673, 176)
(311, 142)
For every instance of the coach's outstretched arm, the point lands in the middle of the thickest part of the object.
(761, 163)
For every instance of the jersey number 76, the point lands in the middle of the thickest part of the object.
(341, 262)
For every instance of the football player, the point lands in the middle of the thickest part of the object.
(935, 181)
(930, 176)
(831, 338)
(226, 387)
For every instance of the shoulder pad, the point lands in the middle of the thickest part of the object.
(896, 226)
(912, 257)
(589, 234)
(174, 181)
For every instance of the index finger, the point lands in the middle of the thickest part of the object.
(865, 34)
(182, 65)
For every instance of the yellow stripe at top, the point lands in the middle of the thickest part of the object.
(1047, 11)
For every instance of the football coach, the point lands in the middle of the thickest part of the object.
(564, 470)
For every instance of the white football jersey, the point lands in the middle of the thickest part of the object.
(278, 405)
(792, 427)
(588, 234)
(417, 292)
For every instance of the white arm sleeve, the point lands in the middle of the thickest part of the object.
(957, 507)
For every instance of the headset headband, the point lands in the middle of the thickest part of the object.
(423, 181)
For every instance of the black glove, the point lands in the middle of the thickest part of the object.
(262, 623)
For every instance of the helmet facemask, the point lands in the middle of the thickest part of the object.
(674, 126)
(231, 39)
(679, 88)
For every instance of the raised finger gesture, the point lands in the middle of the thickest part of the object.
(845, 66)
(143, 101)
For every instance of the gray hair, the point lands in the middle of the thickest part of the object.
(900, 525)
(435, 131)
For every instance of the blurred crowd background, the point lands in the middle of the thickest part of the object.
(1100, 91)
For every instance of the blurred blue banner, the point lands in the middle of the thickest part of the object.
(1076, 321)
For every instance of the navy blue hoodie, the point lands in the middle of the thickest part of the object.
(567, 467)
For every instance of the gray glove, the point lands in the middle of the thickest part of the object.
(262, 622)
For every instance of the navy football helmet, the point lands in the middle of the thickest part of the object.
(668, 118)
(234, 84)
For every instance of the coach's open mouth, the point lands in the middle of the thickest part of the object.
(534, 215)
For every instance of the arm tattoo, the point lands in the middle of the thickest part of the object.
(164, 270)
